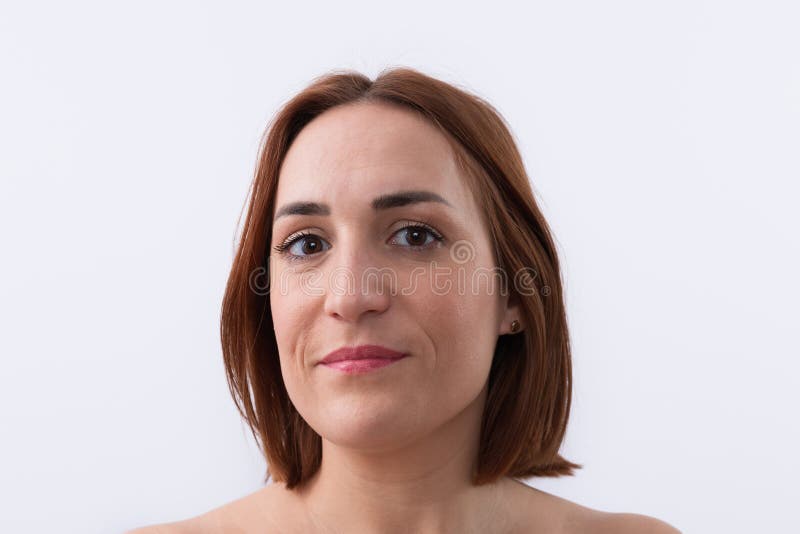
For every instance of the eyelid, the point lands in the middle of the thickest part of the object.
(294, 236)
(291, 239)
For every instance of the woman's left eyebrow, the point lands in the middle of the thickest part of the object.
(382, 202)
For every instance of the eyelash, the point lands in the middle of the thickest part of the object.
(282, 248)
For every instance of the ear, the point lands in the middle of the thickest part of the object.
(511, 313)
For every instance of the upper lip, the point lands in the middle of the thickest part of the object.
(361, 352)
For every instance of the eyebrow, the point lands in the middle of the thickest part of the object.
(383, 202)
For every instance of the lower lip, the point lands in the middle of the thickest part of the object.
(361, 366)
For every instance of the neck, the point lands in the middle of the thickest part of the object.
(423, 485)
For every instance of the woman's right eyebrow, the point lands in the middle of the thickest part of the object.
(382, 202)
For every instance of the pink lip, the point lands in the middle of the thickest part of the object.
(361, 359)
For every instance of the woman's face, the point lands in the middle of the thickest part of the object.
(419, 299)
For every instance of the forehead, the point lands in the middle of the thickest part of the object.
(354, 153)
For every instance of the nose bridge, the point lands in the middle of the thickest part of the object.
(356, 281)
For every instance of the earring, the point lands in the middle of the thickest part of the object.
(514, 326)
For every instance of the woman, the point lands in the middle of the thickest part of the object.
(393, 327)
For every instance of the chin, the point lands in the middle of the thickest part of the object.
(365, 428)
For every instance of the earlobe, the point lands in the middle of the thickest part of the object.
(512, 313)
(514, 327)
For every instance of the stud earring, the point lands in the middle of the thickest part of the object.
(514, 326)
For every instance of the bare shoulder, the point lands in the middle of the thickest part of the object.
(166, 528)
(255, 512)
(626, 523)
(201, 524)
(568, 517)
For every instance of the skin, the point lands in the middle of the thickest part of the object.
(399, 443)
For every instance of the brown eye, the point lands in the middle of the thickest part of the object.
(310, 246)
(418, 236)
(301, 246)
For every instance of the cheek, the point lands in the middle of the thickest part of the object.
(460, 321)
(291, 319)
(289, 301)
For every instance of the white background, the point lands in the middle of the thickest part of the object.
(662, 142)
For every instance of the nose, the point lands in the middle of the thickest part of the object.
(357, 285)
